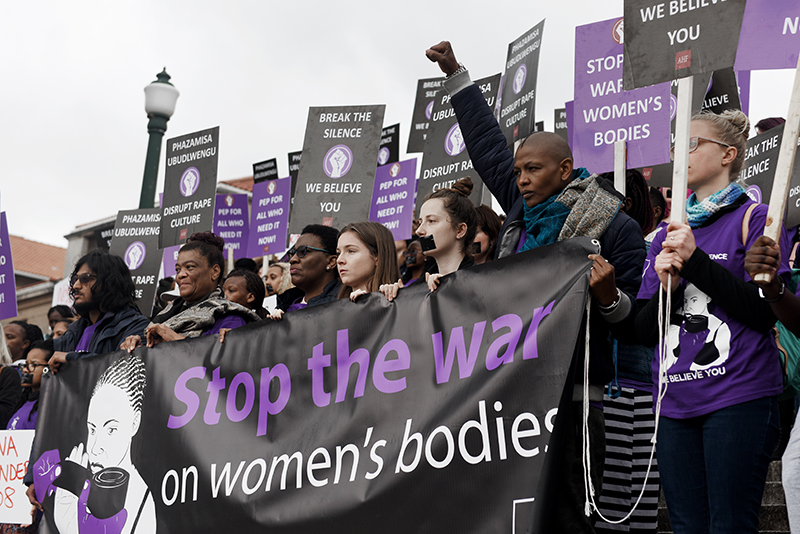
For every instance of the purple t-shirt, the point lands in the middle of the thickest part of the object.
(19, 421)
(228, 321)
(713, 360)
(86, 337)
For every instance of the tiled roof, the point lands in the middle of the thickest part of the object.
(38, 258)
(241, 183)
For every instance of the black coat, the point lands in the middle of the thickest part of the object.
(110, 333)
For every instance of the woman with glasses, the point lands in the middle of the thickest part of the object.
(104, 299)
(718, 423)
(202, 309)
(312, 265)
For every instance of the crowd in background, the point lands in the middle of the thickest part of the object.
(715, 439)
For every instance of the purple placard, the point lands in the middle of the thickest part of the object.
(230, 223)
(393, 197)
(770, 37)
(169, 259)
(604, 113)
(269, 220)
(570, 109)
(743, 81)
(8, 290)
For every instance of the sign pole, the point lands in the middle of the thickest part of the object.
(620, 153)
(784, 168)
(680, 167)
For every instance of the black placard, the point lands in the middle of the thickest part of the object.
(390, 145)
(723, 92)
(670, 39)
(135, 240)
(560, 123)
(294, 168)
(421, 118)
(446, 158)
(265, 170)
(518, 102)
(337, 171)
(190, 185)
(758, 172)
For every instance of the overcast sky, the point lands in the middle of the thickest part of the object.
(74, 132)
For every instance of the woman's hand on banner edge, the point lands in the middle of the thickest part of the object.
(390, 290)
(56, 361)
(443, 54)
(222, 332)
(357, 293)
(159, 333)
(763, 257)
(433, 281)
(130, 343)
(602, 284)
(276, 314)
(35, 505)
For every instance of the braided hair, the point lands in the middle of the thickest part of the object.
(32, 333)
(128, 374)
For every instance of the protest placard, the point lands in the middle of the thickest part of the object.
(168, 260)
(518, 101)
(232, 223)
(8, 289)
(605, 113)
(569, 109)
(670, 39)
(390, 145)
(770, 37)
(136, 242)
(393, 197)
(269, 217)
(103, 238)
(294, 169)
(758, 172)
(446, 158)
(265, 170)
(190, 184)
(15, 449)
(337, 170)
(560, 123)
(421, 117)
(342, 410)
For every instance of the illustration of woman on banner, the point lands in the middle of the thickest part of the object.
(98, 488)
(708, 337)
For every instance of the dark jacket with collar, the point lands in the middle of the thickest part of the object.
(111, 331)
(622, 244)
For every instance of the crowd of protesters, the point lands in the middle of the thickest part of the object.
(716, 434)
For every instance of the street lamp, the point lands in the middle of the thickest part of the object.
(159, 104)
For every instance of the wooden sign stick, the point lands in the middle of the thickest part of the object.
(620, 166)
(680, 165)
(783, 168)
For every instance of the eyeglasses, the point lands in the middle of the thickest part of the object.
(84, 278)
(302, 250)
(694, 142)
(32, 366)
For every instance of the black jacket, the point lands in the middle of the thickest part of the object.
(622, 244)
(110, 333)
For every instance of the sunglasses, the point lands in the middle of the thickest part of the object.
(694, 142)
(85, 278)
(302, 250)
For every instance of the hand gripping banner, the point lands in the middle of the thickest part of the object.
(431, 413)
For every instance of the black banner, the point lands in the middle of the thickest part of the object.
(390, 145)
(265, 170)
(431, 413)
(190, 185)
(670, 39)
(337, 170)
(136, 242)
(446, 158)
(758, 172)
(423, 108)
(560, 123)
(103, 238)
(518, 101)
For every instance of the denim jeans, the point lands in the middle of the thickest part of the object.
(714, 467)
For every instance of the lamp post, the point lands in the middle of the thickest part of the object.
(159, 104)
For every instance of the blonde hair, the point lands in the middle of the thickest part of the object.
(733, 128)
(286, 277)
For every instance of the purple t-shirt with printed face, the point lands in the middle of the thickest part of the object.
(713, 360)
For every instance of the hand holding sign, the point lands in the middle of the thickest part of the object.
(443, 54)
(764, 258)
